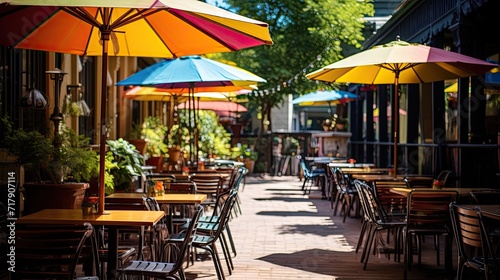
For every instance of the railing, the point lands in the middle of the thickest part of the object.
(471, 164)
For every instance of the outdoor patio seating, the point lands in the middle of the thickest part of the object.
(472, 252)
(428, 215)
(310, 177)
(166, 269)
(346, 194)
(375, 221)
(68, 246)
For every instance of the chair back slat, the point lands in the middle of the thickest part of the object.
(53, 251)
(391, 202)
(429, 208)
(181, 187)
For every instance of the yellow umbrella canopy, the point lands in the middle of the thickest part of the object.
(147, 28)
(401, 62)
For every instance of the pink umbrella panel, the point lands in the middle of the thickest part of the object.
(221, 108)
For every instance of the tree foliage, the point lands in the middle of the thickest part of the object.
(307, 35)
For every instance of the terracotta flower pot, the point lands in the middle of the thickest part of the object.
(157, 162)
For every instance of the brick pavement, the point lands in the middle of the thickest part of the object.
(283, 234)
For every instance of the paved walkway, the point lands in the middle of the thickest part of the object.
(283, 234)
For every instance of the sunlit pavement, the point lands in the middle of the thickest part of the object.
(282, 234)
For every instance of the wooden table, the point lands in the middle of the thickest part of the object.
(114, 219)
(169, 198)
(377, 177)
(460, 191)
(349, 165)
(185, 177)
(492, 211)
(363, 171)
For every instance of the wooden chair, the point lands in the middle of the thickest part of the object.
(180, 214)
(428, 214)
(54, 251)
(467, 231)
(166, 270)
(490, 238)
(394, 204)
(209, 184)
(443, 177)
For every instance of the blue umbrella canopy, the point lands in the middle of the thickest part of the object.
(328, 97)
(191, 72)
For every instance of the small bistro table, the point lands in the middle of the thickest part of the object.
(460, 191)
(114, 219)
(168, 198)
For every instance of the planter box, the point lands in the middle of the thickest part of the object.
(53, 196)
(156, 162)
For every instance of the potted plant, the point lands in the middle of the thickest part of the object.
(172, 140)
(327, 125)
(126, 164)
(154, 132)
(340, 124)
(244, 154)
(135, 138)
(59, 175)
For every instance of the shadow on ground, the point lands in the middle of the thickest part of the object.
(281, 198)
(321, 230)
(335, 263)
(287, 213)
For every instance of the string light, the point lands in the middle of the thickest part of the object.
(295, 78)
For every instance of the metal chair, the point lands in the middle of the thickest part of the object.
(310, 176)
(67, 246)
(166, 270)
(428, 214)
(467, 231)
(375, 220)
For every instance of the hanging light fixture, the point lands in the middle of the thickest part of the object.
(34, 99)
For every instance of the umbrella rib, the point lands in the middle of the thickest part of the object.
(126, 18)
(82, 14)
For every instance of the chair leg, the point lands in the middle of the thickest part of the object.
(361, 234)
(304, 184)
(231, 241)
(338, 200)
(227, 255)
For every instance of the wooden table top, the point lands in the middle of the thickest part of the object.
(460, 191)
(75, 216)
(180, 176)
(492, 211)
(363, 171)
(349, 165)
(169, 198)
(377, 177)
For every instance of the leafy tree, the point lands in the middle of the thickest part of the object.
(307, 35)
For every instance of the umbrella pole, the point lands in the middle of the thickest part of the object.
(102, 143)
(396, 122)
